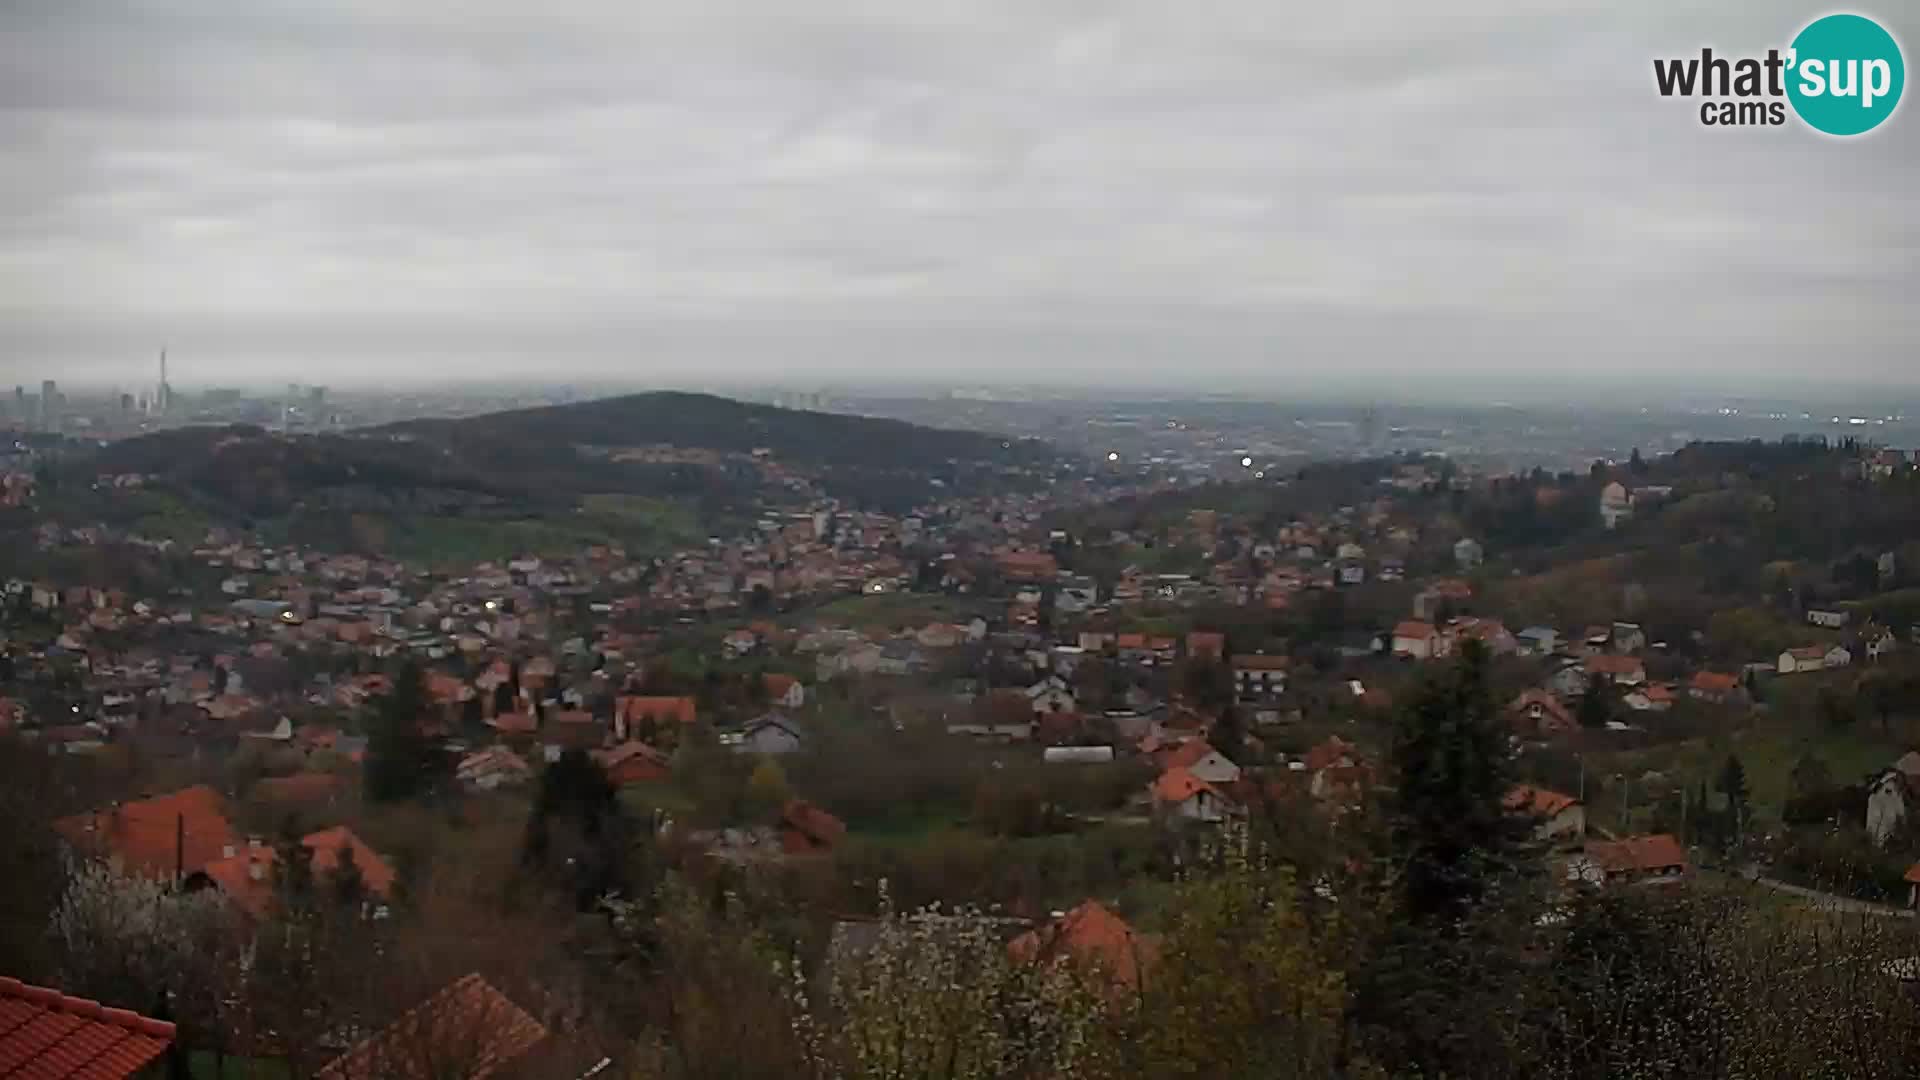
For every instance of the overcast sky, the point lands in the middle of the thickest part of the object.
(1214, 193)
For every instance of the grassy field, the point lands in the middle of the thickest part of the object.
(646, 524)
(893, 611)
(166, 517)
(1768, 756)
(463, 541)
(642, 801)
(642, 526)
(910, 826)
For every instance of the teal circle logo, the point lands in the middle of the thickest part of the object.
(1845, 74)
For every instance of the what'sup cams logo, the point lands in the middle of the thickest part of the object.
(1842, 75)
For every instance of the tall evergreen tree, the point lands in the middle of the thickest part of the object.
(347, 884)
(1733, 785)
(402, 760)
(1229, 735)
(1596, 705)
(1450, 762)
(578, 831)
(1444, 967)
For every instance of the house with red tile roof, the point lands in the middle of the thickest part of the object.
(1813, 658)
(1653, 860)
(1332, 752)
(1713, 686)
(1489, 632)
(805, 829)
(633, 762)
(1418, 640)
(1092, 935)
(1202, 644)
(1027, 565)
(247, 878)
(492, 768)
(1558, 816)
(1337, 774)
(514, 723)
(1619, 670)
(1654, 697)
(47, 1035)
(446, 690)
(170, 837)
(784, 690)
(1202, 760)
(468, 1029)
(631, 712)
(1540, 713)
(1179, 794)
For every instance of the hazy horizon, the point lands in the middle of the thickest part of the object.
(1218, 197)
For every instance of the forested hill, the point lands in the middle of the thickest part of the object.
(704, 421)
(709, 457)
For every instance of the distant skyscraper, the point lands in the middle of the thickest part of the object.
(49, 406)
(162, 394)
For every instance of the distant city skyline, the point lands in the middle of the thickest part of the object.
(1211, 197)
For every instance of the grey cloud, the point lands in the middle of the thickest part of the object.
(1220, 191)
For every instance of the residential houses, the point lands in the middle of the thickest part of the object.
(1558, 817)
(1258, 677)
(1636, 860)
(1814, 658)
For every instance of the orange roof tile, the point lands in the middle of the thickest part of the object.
(1555, 711)
(514, 723)
(634, 707)
(1415, 629)
(444, 689)
(47, 1035)
(1330, 753)
(1608, 664)
(1187, 754)
(1537, 801)
(1206, 643)
(808, 827)
(1638, 853)
(468, 1026)
(1713, 682)
(327, 844)
(156, 837)
(1089, 934)
(247, 877)
(1177, 785)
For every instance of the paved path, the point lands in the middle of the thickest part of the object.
(1825, 901)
